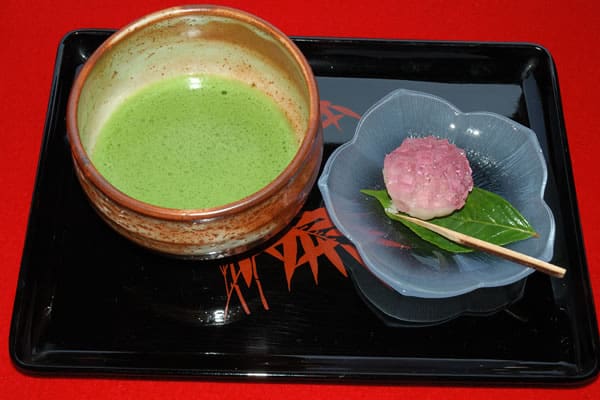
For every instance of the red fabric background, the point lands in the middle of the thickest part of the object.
(30, 33)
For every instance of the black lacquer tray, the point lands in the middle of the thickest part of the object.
(91, 303)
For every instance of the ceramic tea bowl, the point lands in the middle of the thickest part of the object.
(189, 40)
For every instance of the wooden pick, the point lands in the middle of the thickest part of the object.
(487, 247)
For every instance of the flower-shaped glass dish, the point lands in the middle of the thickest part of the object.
(506, 158)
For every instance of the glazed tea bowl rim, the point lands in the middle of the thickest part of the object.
(82, 159)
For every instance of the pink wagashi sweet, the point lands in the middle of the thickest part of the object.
(427, 177)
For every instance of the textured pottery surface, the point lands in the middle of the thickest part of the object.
(198, 40)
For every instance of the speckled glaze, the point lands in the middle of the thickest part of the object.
(197, 40)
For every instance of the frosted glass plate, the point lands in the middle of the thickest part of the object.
(506, 159)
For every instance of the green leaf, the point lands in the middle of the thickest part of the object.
(485, 216)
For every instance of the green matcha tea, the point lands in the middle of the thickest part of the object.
(194, 142)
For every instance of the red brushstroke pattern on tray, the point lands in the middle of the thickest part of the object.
(312, 237)
(331, 114)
